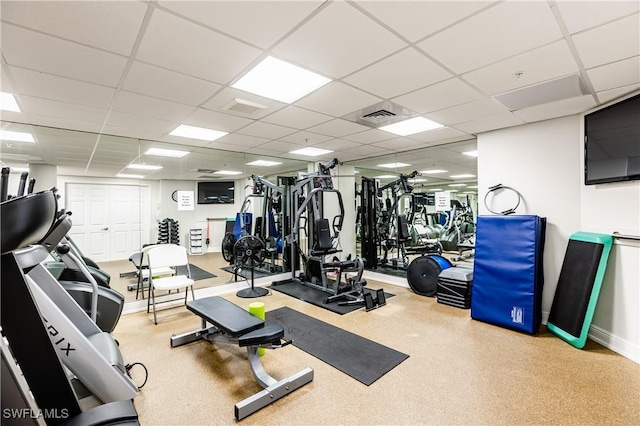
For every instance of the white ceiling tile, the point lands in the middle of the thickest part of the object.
(266, 130)
(581, 15)
(109, 25)
(132, 103)
(61, 89)
(546, 63)
(370, 149)
(338, 128)
(417, 19)
(279, 146)
(556, 109)
(169, 85)
(339, 145)
(618, 74)
(467, 112)
(399, 144)
(295, 117)
(370, 136)
(490, 123)
(56, 109)
(214, 120)
(609, 43)
(51, 55)
(137, 126)
(609, 95)
(441, 95)
(337, 99)
(386, 79)
(353, 41)
(444, 133)
(305, 138)
(236, 140)
(64, 123)
(180, 45)
(497, 33)
(5, 82)
(270, 20)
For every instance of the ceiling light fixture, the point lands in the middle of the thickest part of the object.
(411, 126)
(8, 135)
(200, 133)
(263, 163)
(311, 151)
(435, 189)
(126, 175)
(458, 184)
(279, 80)
(166, 152)
(385, 177)
(471, 153)
(433, 172)
(394, 165)
(143, 167)
(8, 102)
(466, 175)
(227, 172)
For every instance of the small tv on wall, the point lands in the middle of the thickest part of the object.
(612, 143)
(218, 192)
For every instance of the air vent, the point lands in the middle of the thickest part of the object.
(380, 114)
(205, 171)
(243, 107)
(543, 93)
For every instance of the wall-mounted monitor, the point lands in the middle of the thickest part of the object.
(218, 192)
(612, 143)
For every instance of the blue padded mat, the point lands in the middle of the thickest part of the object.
(508, 274)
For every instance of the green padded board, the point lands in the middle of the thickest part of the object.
(576, 295)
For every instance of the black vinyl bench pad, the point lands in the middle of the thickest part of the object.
(225, 315)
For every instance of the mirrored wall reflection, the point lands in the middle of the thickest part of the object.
(119, 190)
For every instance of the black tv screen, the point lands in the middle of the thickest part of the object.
(215, 192)
(612, 143)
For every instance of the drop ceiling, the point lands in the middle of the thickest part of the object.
(99, 82)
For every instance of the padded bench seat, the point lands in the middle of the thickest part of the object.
(225, 315)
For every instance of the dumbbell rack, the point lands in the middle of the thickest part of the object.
(168, 232)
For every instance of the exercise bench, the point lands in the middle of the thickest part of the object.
(232, 324)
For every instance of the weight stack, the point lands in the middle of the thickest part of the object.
(454, 287)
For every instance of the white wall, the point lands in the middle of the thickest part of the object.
(544, 161)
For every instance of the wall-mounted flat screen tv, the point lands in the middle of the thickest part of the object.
(216, 192)
(612, 143)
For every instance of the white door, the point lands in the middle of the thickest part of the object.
(109, 221)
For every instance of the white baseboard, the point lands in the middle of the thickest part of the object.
(616, 344)
(609, 341)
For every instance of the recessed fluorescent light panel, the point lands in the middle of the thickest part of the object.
(200, 133)
(435, 189)
(143, 167)
(263, 163)
(8, 102)
(411, 126)
(311, 151)
(417, 180)
(394, 165)
(471, 153)
(126, 175)
(462, 176)
(385, 177)
(458, 184)
(433, 172)
(227, 172)
(8, 135)
(279, 80)
(166, 152)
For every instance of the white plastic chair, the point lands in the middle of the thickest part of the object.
(143, 269)
(159, 258)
